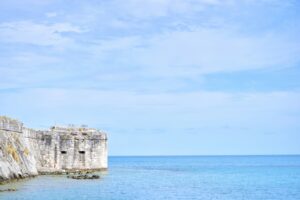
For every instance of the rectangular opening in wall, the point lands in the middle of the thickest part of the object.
(82, 152)
(63, 152)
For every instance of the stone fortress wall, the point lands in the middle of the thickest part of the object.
(8, 124)
(55, 150)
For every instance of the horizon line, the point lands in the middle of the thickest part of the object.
(212, 155)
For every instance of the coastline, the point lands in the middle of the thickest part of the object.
(53, 173)
(26, 152)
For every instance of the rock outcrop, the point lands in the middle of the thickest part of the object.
(26, 152)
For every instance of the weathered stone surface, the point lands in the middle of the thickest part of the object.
(26, 152)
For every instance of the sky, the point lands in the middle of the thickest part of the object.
(161, 77)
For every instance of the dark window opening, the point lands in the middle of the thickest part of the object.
(82, 152)
(63, 152)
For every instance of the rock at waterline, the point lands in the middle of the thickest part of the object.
(81, 177)
(9, 190)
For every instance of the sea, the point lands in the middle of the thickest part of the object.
(174, 177)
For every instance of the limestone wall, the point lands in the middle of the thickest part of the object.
(56, 150)
(16, 158)
(25, 152)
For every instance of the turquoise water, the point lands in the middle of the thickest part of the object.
(155, 178)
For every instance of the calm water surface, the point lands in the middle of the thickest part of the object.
(187, 177)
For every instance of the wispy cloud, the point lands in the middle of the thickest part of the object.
(209, 116)
(28, 32)
(201, 51)
(187, 42)
(51, 14)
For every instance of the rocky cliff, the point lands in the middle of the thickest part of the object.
(26, 152)
(16, 160)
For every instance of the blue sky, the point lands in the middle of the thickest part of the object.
(162, 77)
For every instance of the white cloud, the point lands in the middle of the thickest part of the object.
(159, 8)
(28, 32)
(123, 43)
(51, 14)
(200, 51)
(32, 59)
(166, 53)
(269, 110)
(218, 50)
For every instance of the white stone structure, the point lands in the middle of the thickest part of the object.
(25, 152)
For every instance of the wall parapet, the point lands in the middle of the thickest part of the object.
(9, 124)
